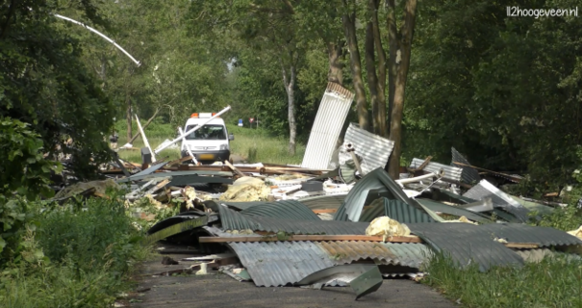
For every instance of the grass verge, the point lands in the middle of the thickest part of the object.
(554, 282)
(78, 255)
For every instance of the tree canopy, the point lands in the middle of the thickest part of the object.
(503, 90)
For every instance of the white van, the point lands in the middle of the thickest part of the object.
(209, 143)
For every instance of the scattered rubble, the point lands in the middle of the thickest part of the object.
(352, 224)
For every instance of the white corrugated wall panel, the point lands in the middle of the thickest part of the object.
(451, 173)
(327, 127)
(373, 149)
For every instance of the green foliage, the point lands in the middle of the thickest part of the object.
(16, 214)
(554, 282)
(24, 170)
(90, 248)
(44, 83)
(94, 235)
(503, 90)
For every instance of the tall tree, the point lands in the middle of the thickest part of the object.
(45, 84)
(400, 40)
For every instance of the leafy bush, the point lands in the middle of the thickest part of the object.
(24, 170)
(97, 234)
(90, 248)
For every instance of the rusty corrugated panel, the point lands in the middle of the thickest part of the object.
(286, 209)
(466, 244)
(327, 127)
(405, 254)
(396, 210)
(373, 149)
(451, 173)
(281, 263)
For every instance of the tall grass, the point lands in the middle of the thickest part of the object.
(255, 145)
(554, 282)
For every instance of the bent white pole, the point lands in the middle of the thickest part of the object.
(145, 139)
(187, 147)
(193, 130)
(101, 35)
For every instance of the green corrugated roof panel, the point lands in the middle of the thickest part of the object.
(352, 207)
(324, 202)
(396, 210)
(451, 210)
(233, 220)
(241, 206)
(286, 209)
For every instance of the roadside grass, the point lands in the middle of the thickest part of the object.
(80, 254)
(554, 282)
(255, 145)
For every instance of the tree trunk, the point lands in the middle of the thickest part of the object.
(289, 88)
(382, 125)
(334, 51)
(128, 118)
(393, 42)
(371, 75)
(402, 65)
(356, 67)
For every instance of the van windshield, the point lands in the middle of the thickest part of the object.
(207, 132)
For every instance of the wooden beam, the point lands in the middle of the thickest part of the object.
(233, 168)
(311, 238)
(522, 245)
(324, 211)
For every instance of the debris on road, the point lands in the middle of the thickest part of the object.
(351, 225)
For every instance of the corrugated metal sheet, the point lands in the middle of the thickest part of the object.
(500, 199)
(233, 220)
(352, 207)
(451, 210)
(324, 202)
(543, 236)
(241, 205)
(286, 209)
(396, 210)
(281, 263)
(373, 149)
(469, 175)
(451, 173)
(329, 227)
(466, 244)
(327, 126)
(445, 195)
(405, 254)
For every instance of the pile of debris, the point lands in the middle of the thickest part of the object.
(338, 219)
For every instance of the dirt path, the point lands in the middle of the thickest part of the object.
(218, 290)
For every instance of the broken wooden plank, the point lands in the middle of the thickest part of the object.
(311, 238)
(233, 168)
(324, 211)
(522, 245)
(179, 161)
